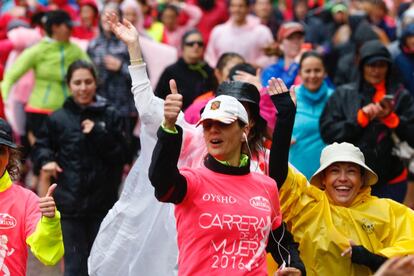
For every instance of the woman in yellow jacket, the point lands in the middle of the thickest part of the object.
(341, 228)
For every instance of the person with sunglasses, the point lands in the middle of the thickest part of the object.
(192, 74)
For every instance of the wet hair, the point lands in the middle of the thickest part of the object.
(311, 54)
(80, 64)
(56, 17)
(188, 33)
(225, 58)
(14, 165)
(244, 67)
(259, 132)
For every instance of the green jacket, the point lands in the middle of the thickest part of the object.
(50, 60)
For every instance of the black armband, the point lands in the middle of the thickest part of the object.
(362, 256)
(283, 247)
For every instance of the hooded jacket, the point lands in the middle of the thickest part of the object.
(338, 122)
(92, 163)
(405, 59)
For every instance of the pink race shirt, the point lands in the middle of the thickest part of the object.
(19, 215)
(224, 222)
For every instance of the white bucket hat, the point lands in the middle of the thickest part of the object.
(343, 152)
(225, 109)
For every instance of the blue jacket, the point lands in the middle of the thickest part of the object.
(277, 70)
(305, 152)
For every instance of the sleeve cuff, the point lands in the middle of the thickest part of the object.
(391, 121)
(362, 118)
(138, 73)
(171, 131)
(51, 220)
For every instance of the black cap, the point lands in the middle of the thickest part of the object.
(6, 137)
(242, 91)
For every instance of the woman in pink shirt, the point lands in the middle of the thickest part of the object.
(226, 215)
(25, 220)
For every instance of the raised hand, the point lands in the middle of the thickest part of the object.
(47, 204)
(247, 77)
(52, 168)
(124, 30)
(277, 86)
(172, 106)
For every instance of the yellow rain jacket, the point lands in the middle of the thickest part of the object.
(323, 229)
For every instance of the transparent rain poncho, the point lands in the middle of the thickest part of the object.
(138, 235)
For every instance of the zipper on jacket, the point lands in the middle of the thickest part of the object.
(63, 71)
(46, 96)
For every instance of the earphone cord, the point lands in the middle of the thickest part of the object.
(278, 242)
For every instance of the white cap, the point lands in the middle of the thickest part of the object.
(225, 109)
(343, 152)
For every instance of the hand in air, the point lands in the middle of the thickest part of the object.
(124, 30)
(47, 204)
(278, 86)
(172, 106)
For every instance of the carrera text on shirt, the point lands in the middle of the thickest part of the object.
(224, 222)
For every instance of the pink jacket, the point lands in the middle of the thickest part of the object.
(250, 39)
(21, 39)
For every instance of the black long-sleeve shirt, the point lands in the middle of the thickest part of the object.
(171, 186)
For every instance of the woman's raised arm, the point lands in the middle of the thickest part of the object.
(285, 103)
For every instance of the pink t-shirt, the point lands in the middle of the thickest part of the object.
(224, 222)
(19, 215)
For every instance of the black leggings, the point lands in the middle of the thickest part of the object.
(78, 237)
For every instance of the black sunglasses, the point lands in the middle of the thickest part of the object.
(192, 43)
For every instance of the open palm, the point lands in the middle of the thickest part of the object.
(124, 30)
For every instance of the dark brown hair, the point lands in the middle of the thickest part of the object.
(14, 165)
(80, 64)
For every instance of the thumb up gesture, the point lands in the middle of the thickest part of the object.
(47, 204)
(172, 106)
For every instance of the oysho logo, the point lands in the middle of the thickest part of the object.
(7, 221)
(219, 198)
(260, 203)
